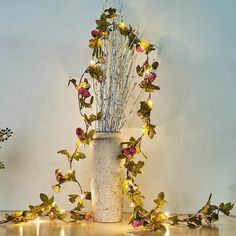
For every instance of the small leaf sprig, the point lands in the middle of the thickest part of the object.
(4, 135)
(207, 215)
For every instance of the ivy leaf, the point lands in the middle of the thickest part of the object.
(65, 152)
(140, 70)
(155, 65)
(44, 197)
(99, 115)
(79, 155)
(73, 81)
(95, 43)
(149, 129)
(226, 208)
(160, 200)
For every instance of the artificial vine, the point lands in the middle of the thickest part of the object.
(155, 219)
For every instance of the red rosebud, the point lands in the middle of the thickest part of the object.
(79, 131)
(137, 223)
(86, 94)
(125, 151)
(132, 151)
(81, 90)
(94, 33)
(152, 77)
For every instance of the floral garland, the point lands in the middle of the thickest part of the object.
(154, 219)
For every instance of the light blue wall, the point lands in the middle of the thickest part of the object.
(43, 42)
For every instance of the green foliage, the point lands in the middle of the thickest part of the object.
(207, 215)
(47, 208)
(2, 165)
(149, 129)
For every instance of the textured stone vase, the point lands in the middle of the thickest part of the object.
(106, 177)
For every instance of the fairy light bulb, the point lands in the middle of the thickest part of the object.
(122, 25)
(62, 210)
(82, 196)
(135, 188)
(149, 102)
(167, 214)
(132, 205)
(54, 203)
(92, 62)
(70, 171)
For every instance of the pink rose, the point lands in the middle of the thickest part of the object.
(132, 151)
(125, 151)
(79, 131)
(94, 33)
(139, 48)
(81, 90)
(137, 223)
(152, 77)
(86, 94)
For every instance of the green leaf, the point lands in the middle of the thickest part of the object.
(73, 81)
(155, 65)
(65, 152)
(44, 197)
(149, 129)
(99, 115)
(2, 165)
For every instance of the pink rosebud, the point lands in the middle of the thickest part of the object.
(86, 94)
(139, 48)
(81, 90)
(132, 151)
(100, 33)
(101, 79)
(79, 131)
(94, 33)
(137, 223)
(152, 77)
(125, 151)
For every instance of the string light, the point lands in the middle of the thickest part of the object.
(122, 25)
(54, 203)
(167, 214)
(62, 210)
(132, 205)
(92, 62)
(149, 102)
(82, 196)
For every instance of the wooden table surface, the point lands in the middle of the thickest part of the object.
(43, 227)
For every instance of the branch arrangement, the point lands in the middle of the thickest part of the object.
(111, 75)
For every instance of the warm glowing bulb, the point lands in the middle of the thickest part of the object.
(62, 210)
(167, 214)
(122, 25)
(70, 171)
(132, 205)
(135, 188)
(150, 104)
(92, 62)
(54, 203)
(82, 196)
(38, 218)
